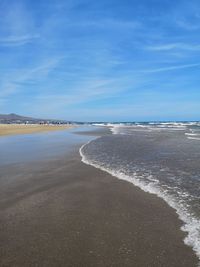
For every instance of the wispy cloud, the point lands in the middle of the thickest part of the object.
(171, 68)
(60, 57)
(87, 90)
(17, 24)
(18, 40)
(11, 84)
(174, 46)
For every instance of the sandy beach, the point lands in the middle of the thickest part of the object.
(13, 129)
(65, 213)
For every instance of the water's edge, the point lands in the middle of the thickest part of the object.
(189, 225)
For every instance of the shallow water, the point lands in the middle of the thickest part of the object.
(39, 146)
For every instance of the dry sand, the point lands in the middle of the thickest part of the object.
(65, 213)
(12, 129)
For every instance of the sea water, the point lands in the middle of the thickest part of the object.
(160, 158)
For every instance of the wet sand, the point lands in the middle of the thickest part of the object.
(65, 213)
(13, 129)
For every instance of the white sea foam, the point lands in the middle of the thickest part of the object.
(194, 138)
(123, 128)
(99, 124)
(192, 134)
(191, 224)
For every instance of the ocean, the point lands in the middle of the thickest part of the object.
(161, 158)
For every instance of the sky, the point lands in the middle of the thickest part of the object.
(108, 60)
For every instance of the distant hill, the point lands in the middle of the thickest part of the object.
(14, 117)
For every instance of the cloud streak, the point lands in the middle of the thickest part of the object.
(174, 46)
(171, 68)
(11, 84)
(18, 40)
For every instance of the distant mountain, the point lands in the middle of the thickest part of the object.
(14, 117)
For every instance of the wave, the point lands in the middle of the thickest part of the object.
(192, 134)
(194, 138)
(130, 127)
(191, 225)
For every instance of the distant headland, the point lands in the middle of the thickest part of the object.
(18, 119)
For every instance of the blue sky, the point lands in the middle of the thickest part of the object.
(100, 60)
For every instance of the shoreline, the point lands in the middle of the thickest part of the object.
(185, 227)
(15, 129)
(63, 212)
